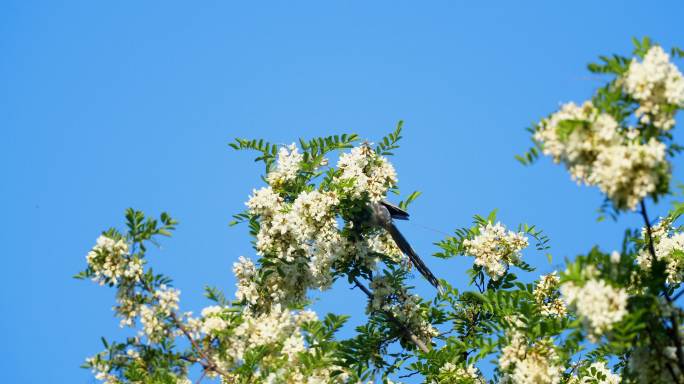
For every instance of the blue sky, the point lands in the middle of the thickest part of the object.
(106, 105)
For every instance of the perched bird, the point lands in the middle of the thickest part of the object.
(382, 215)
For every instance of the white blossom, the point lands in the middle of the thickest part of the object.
(303, 235)
(306, 316)
(596, 373)
(211, 321)
(404, 306)
(669, 248)
(598, 304)
(153, 326)
(628, 173)
(575, 135)
(289, 160)
(264, 202)
(655, 83)
(597, 152)
(495, 248)
(383, 243)
(547, 296)
(247, 289)
(277, 331)
(451, 373)
(213, 324)
(168, 299)
(110, 262)
(371, 173)
(529, 363)
(615, 257)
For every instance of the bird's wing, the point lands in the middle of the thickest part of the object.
(395, 211)
(413, 256)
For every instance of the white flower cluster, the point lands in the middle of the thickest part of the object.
(303, 235)
(264, 202)
(289, 160)
(167, 299)
(597, 151)
(594, 150)
(451, 373)
(669, 248)
(655, 83)
(364, 249)
(279, 331)
(101, 369)
(111, 263)
(495, 248)
(547, 296)
(212, 322)
(153, 324)
(128, 307)
(383, 243)
(371, 173)
(275, 332)
(247, 289)
(598, 304)
(629, 172)
(404, 306)
(153, 317)
(300, 235)
(576, 135)
(529, 363)
(596, 373)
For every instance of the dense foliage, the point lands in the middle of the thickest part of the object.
(609, 317)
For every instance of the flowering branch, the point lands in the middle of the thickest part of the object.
(412, 336)
(312, 224)
(208, 364)
(675, 334)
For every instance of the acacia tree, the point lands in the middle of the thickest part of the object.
(609, 317)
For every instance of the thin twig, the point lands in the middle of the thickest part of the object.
(190, 359)
(209, 365)
(204, 372)
(412, 336)
(409, 374)
(644, 214)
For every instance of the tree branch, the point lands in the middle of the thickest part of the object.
(407, 332)
(675, 334)
(204, 372)
(209, 364)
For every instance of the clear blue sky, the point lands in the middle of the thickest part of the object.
(106, 105)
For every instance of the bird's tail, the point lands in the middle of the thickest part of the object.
(405, 247)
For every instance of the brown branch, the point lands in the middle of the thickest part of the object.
(204, 372)
(651, 247)
(409, 374)
(407, 332)
(208, 364)
(190, 359)
(675, 334)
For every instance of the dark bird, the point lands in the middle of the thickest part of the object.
(383, 213)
